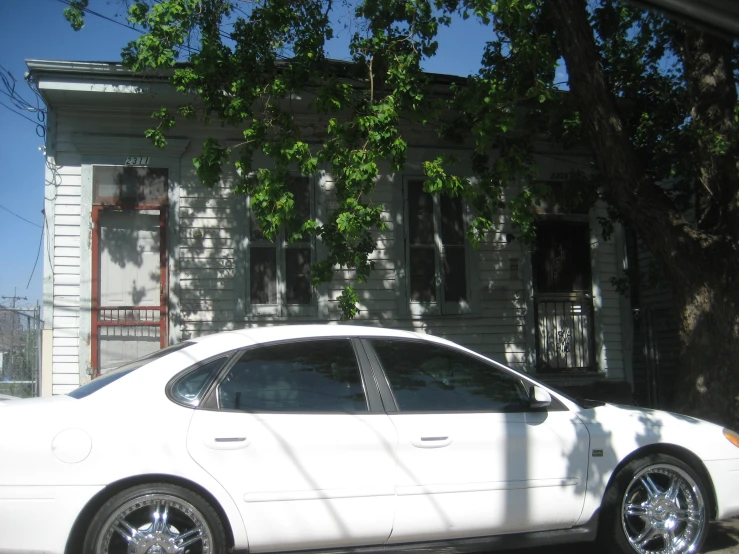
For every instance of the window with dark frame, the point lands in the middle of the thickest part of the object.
(279, 272)
(433, 378)
(436, 247)
(562, 257)
(303, 376)
(563, 304)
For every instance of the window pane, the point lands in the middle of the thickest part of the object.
(129, 185)
(300, 187)
(190, 388)
(422, 270)
(429, 377)
(255, 233)
(298, 275)
(263, 275)
(562, 257)
(452, 220)
(315, 376)
(420, 214)
(455, 287)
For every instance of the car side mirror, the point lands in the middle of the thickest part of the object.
(539, 397)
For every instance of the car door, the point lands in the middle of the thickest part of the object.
(473, 459)
(298, 437)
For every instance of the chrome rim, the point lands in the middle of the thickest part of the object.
(663, 511)
(156, 524)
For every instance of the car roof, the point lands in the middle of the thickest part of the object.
(258, 335)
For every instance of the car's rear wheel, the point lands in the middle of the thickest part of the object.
(656, 505)
(156, 518)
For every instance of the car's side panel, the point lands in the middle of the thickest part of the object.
(462, 475)
(500, 468)
(39, 518)
(126, 430)
(726, 474)
(617, 432)
(302, 480)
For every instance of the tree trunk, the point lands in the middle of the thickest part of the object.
(702, 265)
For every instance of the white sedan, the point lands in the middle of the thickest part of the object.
(342, 437)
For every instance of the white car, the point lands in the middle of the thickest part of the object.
(345, 437)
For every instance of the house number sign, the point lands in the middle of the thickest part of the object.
(137, 160)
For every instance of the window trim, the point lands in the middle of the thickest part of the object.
(439, 307)
(227, 357)
(391, 404)
(281, 308)
(209, 400)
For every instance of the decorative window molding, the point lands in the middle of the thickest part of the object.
(277, 272)
(437, 255)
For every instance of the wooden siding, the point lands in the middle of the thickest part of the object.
(66, 279)
(207, 243)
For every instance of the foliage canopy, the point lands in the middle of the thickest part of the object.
(248, 58)
(655, 102)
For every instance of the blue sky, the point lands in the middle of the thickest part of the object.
(36, 29)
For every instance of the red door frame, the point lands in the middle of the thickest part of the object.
(128, 321)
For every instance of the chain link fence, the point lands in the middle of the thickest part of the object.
(20, 351)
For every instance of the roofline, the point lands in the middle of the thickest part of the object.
(81, 68)
(117, 70)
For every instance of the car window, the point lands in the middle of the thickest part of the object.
(305, 376)
(189, 388)
(430, 377)
(114, 374)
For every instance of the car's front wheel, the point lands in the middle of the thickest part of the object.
(157, 517)
(656, 505)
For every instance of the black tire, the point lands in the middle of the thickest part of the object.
(652, 503)
(136, 512)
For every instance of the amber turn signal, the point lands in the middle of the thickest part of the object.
(732, 437)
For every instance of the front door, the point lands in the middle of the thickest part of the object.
(129, 265)
(307, 460)
(563, 301)
(473, 460)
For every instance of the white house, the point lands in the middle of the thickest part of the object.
(142, 255)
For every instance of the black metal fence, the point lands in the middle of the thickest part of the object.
(564, 333)
(20, 351)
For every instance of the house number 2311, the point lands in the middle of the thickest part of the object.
(137, 160)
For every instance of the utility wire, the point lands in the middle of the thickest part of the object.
(96, 14)
(140, 31)
(38, 252)
(19, 217)
(18, 113)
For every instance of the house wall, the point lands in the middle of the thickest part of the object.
(656, 332)
(207, 271)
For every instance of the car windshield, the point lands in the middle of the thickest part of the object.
(115, 374)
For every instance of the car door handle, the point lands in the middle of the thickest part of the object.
(227, 443)
(432, 441)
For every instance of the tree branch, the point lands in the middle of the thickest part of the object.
(644, 204)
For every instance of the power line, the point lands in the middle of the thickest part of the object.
(96, 14)
(38, 252)
(141, 32)
(18, 113)
(19, 217)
